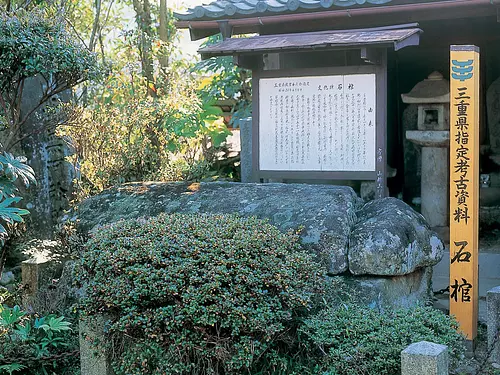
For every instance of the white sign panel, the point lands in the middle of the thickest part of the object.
(317, 123)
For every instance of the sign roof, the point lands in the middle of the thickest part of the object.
(333, 39)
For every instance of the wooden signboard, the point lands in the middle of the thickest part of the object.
(321, 124)
(464, 186)
(317, 123)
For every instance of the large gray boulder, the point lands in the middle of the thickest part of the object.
(387, 247)
(389, 238)
(326, 213)
(384, 237)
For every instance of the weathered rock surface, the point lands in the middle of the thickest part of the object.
(46, 152)
(327, 213)
(389, 238)
(385, 292)
(7, 278)
(384, 237)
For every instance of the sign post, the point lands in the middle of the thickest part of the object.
(464, 186)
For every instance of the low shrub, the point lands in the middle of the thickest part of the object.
(353, 340)
(205, 294)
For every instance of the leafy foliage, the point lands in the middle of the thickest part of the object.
(197, 293)
(137, 126)
(227, 82)
(127, 136)
(33, 45)
(12, 170)
(353, 340)
(26, 339)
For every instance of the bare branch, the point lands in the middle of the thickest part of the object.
(4, 106)
(45, 97)
(76, 32)
(108, 12)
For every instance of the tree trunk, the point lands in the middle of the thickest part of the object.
(143, 18)
(163, 33)
(95, 27)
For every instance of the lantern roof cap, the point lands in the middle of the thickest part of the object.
(434, 89)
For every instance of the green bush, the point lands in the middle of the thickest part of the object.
(198, 293)
(353, 340)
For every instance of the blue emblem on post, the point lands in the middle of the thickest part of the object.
(462, 70)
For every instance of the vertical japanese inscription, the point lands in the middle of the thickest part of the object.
(464, 185)
(317, 123)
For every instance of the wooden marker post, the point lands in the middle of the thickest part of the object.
(464, 186)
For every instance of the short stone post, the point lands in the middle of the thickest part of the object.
(493, 320)
(34, 272)
(94, 359)
(424, 358)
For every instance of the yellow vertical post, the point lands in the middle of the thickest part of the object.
(464, 186)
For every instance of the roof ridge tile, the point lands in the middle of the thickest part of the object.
(220, 9)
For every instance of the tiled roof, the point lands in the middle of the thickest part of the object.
(240, 8)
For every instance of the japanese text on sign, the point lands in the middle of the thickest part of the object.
(318, 123)
(462, 158)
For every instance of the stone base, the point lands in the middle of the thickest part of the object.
(424, 358)
(493, 306)
(397, 291)
(35, 274)
(470, 348)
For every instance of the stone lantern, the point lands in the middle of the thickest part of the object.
(432, 97)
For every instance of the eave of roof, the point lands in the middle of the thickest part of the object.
(220, 9)
(396, 11)
(324, 40)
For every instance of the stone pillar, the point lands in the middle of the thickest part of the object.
(424, 358)
(434, 182)
(94, 359)
(46, 153)
(246, 149)
(493, 320)
(435, 185)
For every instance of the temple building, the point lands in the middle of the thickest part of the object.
(357, 91)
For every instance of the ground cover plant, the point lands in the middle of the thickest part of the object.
(197, 293)
(351, 339)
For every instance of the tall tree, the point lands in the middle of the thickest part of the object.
(164, 33)
(96, 26)
(143, 18)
